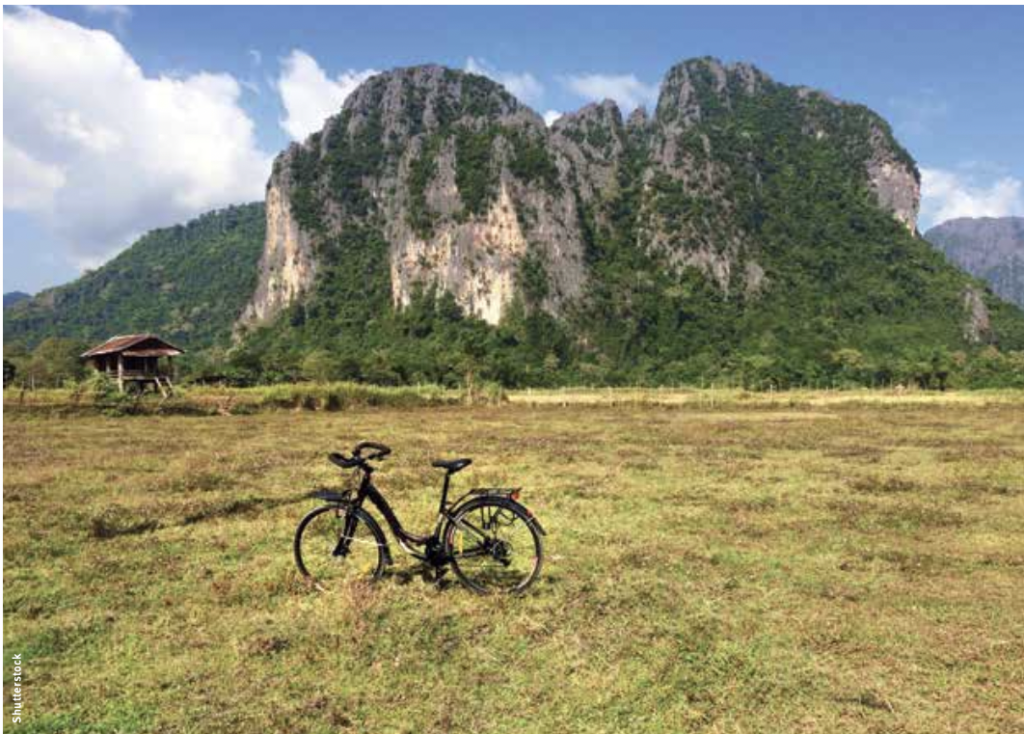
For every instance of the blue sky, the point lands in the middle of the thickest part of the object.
(120, 120)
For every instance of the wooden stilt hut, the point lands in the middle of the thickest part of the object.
(134, 360)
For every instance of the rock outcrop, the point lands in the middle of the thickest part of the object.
(897, 185)
(288, 266)
(978, 323)
(454, 173)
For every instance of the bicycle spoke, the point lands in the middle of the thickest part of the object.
(496, 550)
(332, 558)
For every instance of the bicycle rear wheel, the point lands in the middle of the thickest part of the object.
(331, 556)
(494, 546)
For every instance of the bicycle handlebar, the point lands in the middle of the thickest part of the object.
(343, 461)
(379, 451)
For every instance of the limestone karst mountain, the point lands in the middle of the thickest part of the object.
(461, 182)
(437, 228)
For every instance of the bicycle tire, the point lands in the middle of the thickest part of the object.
(318, 551)
(495, 578)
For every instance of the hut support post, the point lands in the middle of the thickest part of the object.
(120, 372)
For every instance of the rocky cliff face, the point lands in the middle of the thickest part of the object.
(896, 184)
(288, 265)
(978, 323)
(452, 171)
(711, 140)
(989, 248)
(464, 184)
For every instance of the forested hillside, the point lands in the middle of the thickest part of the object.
(15, 297)
(188, 283)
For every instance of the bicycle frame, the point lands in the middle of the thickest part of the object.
(405, 539)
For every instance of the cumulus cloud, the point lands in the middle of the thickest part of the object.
(29, 185)
(523, 85)
(625, 89)
(99, 152)
(550, 116)
(948, 195)
(310, 96)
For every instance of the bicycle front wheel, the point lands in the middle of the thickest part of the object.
(494, 546)
(336, 545)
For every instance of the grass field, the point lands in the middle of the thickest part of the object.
(738, 565)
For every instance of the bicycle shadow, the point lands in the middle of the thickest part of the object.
(447, 580)
(429, 575)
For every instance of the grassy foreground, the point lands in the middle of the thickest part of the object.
(804, 567)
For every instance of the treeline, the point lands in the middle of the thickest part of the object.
(53, 363)
(434, 343)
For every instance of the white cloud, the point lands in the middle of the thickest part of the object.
(523, 85)
(98, 152)
(948, 195)
(627, 91)
(550, 116)
(29, 184)
(310, 96)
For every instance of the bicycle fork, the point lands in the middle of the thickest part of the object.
(345, 540)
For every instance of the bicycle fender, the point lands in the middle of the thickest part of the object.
(506, 500)
(533, 520)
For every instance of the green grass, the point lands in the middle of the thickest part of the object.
(741, 566)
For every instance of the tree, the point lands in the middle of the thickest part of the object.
(850, 364)
(10, 371)
(55, 361)
(17, 356)
(319, 366)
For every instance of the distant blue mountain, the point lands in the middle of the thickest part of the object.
(14, 296)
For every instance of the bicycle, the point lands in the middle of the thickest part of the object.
(491, 540)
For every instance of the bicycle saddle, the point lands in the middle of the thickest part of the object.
(452, 466)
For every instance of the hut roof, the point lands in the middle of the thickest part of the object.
(135, 345)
